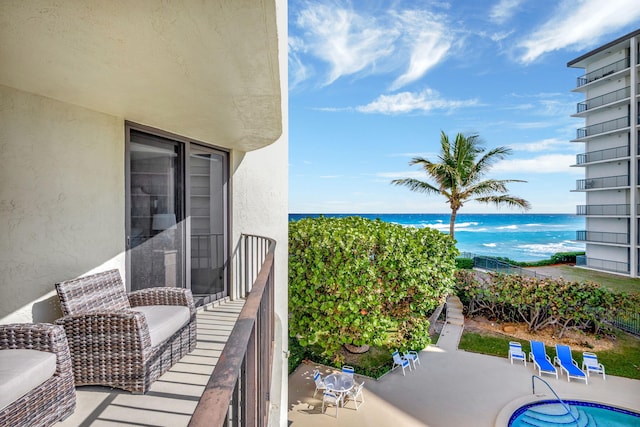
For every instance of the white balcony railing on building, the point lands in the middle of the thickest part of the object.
(607, 98)
(604, 182)
(610, 210)
(599, 155)
(604, 71)
(598, 128)
(602, 237)
(603, 264)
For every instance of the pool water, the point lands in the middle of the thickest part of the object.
(550, 413)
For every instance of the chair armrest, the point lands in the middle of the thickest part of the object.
(163, 296)
(97, 334)
(38, 336)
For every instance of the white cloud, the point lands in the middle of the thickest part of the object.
(428, 38)
(548, 163)
(578, 24)
(409, 102)
(347, 41)
(550, 144)
(408, 42)
(503, 10)
(404, 174)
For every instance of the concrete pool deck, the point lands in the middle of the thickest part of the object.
(450, 388)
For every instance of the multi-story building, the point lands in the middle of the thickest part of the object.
(611, 155)
(151, 137)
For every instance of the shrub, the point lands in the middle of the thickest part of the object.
(464, 263)
(359, 281)
(542, 302)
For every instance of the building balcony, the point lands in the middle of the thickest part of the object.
(603, 264)
(225, 381)
(607, 98)
(602, 237)
(603, 210)
(602, 183)
(605, 71)
(603, 155)
(600, 128)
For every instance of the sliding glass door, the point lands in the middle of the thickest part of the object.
(207, 213)
(156, 214)
(177, 215)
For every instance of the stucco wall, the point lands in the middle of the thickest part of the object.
(61, 200)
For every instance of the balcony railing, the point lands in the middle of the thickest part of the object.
(604, 182)
(604, 71)
(607, 154)
(602, 237)
(607, 98)
(612, 210)
(603, 264)
(237, 393)
(608, 126)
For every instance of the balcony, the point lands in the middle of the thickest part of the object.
(602, 237)
(598, 128)
(605, 99)
(603, 72)
(603, 264)
(601, 155)
(603, 210)
(225, 381)
(602, 183)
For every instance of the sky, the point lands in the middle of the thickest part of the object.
(373, 84)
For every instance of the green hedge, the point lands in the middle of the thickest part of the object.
(358, 281)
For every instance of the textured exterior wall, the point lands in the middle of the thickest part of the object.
(61, 200)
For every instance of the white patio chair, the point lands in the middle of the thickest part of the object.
(331, 398)
(399, 360)
(590, 364)
(320, 385)
(413, 357)
(354, 393)
(348, 370)
(516, 353)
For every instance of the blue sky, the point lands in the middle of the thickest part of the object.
(373, 83)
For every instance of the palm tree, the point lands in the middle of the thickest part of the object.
(458, 175)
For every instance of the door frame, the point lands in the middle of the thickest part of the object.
(187, 143)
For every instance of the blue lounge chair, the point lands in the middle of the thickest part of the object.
(540, 359)
(567, 364)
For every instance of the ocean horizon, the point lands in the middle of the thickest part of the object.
(518, 236)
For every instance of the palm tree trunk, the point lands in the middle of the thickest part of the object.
(452, 222)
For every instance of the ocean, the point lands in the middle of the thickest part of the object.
(520, 237)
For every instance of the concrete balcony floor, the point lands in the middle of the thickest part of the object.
(173, 398)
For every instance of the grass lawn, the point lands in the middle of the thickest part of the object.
(612, 281)
(623, 360)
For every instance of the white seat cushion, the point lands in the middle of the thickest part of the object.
(164, 320)
(23, 370)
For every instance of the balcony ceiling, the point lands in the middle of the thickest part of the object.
(207, 70)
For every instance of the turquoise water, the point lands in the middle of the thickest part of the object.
(588, 415)
(521, 237)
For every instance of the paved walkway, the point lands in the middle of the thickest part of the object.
(450, 388)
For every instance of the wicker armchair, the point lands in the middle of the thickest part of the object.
(54, 399)
(113, 336)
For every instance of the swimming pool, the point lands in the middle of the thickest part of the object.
(551, 413)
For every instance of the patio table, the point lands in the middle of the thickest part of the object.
(339, 383)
